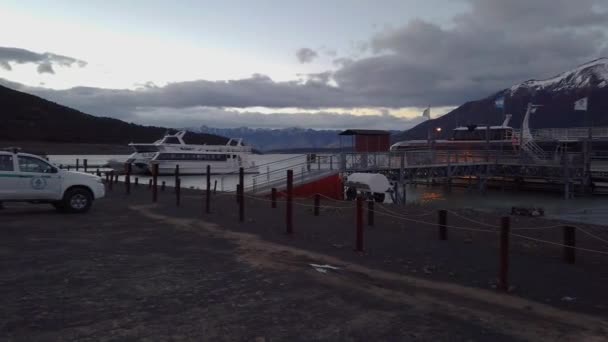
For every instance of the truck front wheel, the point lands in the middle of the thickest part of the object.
(77, 200)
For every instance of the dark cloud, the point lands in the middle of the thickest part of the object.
(45, 61)
(306, 55)
(45, 68)
(492, 46)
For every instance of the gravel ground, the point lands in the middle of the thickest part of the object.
(133, 270)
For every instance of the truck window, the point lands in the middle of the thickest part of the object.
(29, 164)
(6, 163)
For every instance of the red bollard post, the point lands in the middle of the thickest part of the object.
(289, 204)
(442, 223)
(178, 191)
(208, 194)
(127, 178)
(370, 213)
(240, 195)
(241, 182)
(569, 244)
(317, 204)
(154, 182)
(177, 176)
(273, 198)
(503, 278)
(359, 225)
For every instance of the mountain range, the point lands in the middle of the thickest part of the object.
(556, 95)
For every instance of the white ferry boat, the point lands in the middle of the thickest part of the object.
(192, 159)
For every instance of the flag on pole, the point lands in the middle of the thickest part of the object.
(427, 113)
(581, 104)
(500, 102)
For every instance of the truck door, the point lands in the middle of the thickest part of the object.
(39, 180)
(9, 178)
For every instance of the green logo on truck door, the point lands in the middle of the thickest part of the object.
(38, 183)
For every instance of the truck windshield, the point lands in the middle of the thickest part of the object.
(30, 164)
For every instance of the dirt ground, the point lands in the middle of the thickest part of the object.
(134, 270)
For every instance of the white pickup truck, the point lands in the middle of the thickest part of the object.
(28, 178)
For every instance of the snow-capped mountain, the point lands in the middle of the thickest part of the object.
(592, 74)
(556, 94)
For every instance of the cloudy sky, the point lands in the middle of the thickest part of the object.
(280, 63)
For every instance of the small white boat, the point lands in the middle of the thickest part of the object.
(192, 159)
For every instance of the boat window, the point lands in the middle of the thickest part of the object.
(171, 140)
(6, 163)
(192, 156)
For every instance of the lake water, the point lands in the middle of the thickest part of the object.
(589, 209)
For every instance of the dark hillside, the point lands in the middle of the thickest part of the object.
(25, 117)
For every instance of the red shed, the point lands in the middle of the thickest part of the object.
(369, 140)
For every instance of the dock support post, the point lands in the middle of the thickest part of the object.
(163, 184)
(404, 197)
(208, 196)
(154, 182)
(370, 213)
(442, 223)
(85, 165)
(111, 180)
(273, 198)
(359, 225)
(136, 181)
(77, 164)
(569, 244)
(215, 187)
(317, 203)
(127, 177)
(402, 168)
(503, 278)
(566, 177)
(289, 203)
